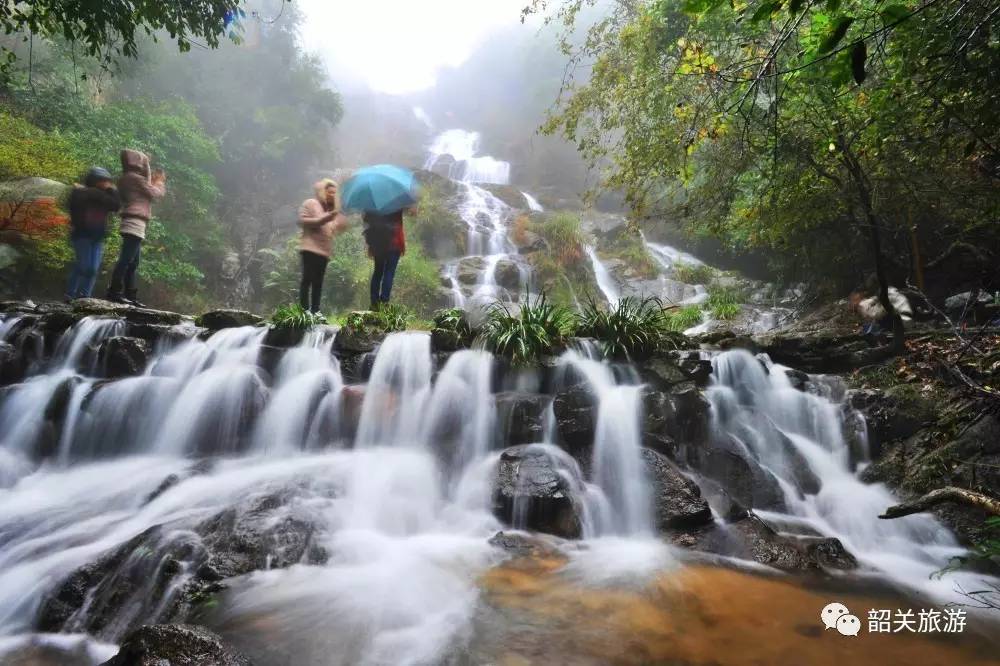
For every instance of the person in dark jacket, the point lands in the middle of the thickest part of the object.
(89, 208)
(139, 187)
(386, 244)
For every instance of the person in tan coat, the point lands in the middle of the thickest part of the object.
(320, 219)
(138, 187)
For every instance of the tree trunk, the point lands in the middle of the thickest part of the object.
(860, 181)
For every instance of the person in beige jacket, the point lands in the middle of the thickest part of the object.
(138, 187)
(321, 220)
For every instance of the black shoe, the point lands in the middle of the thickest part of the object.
(117, 298)
(132, 298)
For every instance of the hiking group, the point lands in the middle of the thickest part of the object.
(321, 219)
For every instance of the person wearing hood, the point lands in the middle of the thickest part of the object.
(320, 219)
(90, 205)
(139, 187)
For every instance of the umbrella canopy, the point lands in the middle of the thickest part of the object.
(381, 189)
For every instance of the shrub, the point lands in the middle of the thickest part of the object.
(390, 318)
(681, 319)
(693, 273)
(294, 317)
(631, 328)
(539, 328)
(724, 302)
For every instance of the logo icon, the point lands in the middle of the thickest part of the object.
(848, 625)
(833, 612)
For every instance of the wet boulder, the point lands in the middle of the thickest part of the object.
(123, 357)
(217, 320)
(362, 333)
(11, 368)
(470, 270)
(677, 500)
(530, 492)
(164, 574)
(575, 412)
(662, 372)
(751, 538)
(524, 545)
(746, 482)
(175, 645)
(508, 275)
(820, 352)
(896, 413)
(521, 416)
(678, 417)
(527, 242)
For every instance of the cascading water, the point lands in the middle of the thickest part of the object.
(605, 282)
(486, 216)
(533, 204)
(797, 438)
(386, 487)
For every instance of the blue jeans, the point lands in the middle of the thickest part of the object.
(83, 274)
(123, 279)
(382, 277)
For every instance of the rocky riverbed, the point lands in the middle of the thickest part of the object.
(203, 533)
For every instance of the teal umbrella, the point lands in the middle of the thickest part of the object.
(381, 189)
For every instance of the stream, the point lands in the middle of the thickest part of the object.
(394, 474)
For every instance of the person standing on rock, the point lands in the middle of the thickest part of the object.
(89, 208)
(139, 187)
(386, 244)
(320, 219)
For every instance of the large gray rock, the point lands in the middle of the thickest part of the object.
(470, 269)
(751, 538)
(819, 352)
(745, 482)
(123, 357)
(508, 275)
(129, 585)
(530, 492)
(361, 334)
(216, 320)
(575, 411)
(521, 417)
(175, 645)
(677, 500)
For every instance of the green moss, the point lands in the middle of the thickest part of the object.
(724, 302)
(693, 273)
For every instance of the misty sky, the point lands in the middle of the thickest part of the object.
(397, 46)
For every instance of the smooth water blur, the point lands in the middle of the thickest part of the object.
(796, 435)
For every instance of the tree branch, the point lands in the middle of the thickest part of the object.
(941, 496)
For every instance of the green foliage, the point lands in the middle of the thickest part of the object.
(539, 328)
(27, 150)
(455, 321)
(681, 319)
(388, 318)
(441, 231)
(634, 328)
(724, 302)
(693, 273)
(112, 29)
(294, 317)
(767, 125)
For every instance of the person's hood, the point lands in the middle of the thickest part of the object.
(135, 162)
(320, 189)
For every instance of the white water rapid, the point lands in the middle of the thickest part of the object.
(347, 505)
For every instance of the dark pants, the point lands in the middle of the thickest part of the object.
(123, 279)
(313, 270)
(382, 277)
(83, 274)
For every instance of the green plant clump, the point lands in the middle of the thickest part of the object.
(539, 328)
(634, 328)
(294, 317)
(681, 319)
(693, 273)
(724, 302)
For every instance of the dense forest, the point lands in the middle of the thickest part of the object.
(823, 133)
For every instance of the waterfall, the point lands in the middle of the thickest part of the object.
(533, 204)
(793, 434)
(385, 487)
(618, 469)
(485, 214)
(605, 282)
(462, 146)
